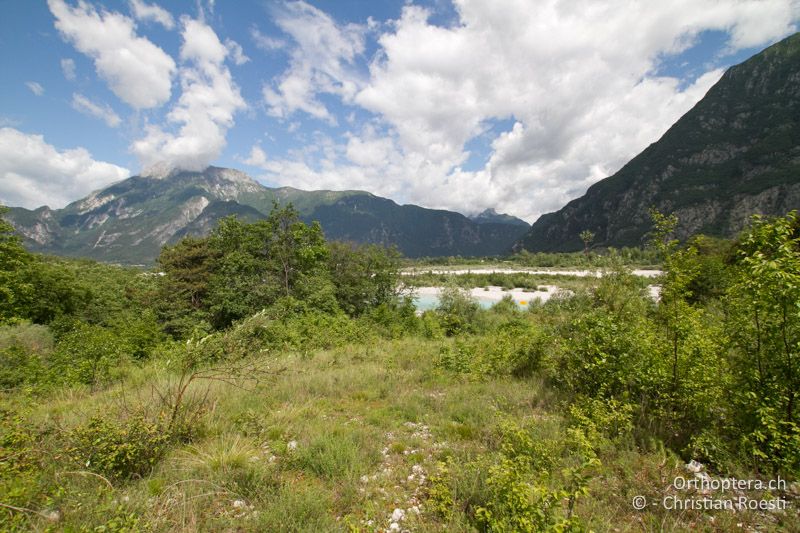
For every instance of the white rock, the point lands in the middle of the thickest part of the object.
(291, 445)
(239, 504)
(398, 515)
(694, 467)
(394, 526)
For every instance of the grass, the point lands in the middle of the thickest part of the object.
(338, 442)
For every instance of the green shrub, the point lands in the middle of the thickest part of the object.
(602, 356)
(602, 421)
(19, 367)
(119, 451)
(516, 504)
(457, 310)
(89, 354)
(23, 348)
(430, 327)
(440, 497)
(523, 494)
(393, 320)
(457, 357)
(517, 349)
(32, 338)
(506, 306)
(140, 332)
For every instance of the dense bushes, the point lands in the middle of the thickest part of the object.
(241, 269)
(517, 348)
(712, 369)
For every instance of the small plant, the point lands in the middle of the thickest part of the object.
(119, 451)
(440, 497)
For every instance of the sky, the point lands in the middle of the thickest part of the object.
(517, 105)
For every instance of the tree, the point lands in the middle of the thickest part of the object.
(674, 310)
(15, 290)
(587, 237)
(365, 276)
(768, 286)
(258, 263)
(186, 270)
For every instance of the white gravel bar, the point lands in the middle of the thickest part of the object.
(577, 273)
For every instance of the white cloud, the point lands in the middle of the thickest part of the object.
(577, 78)
(322, 62)
(138, 71)
(235, 49)
(33, 172)
(265, 42)
(153, 12)
(257, 157)
(36, 88)
(68, 68)
(205, 110)
(103, 112)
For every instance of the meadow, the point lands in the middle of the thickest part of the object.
(262, 379)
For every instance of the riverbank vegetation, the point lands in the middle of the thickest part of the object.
(263, 379)
(593, 257)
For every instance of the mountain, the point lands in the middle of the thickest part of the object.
(490, 216)
(129, 221)
(736, 153)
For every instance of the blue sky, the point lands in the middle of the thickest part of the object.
(512, 104)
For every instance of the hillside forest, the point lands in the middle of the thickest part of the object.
(264, 379)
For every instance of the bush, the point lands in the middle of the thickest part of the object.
(430, 327)
(393, 320)
(522, 494)
(602, 356)
(29, 337)
(119, 451)
(19, 367)
(291, 325)
(457, 310)
(517, 349)
(140, 332)
(22, 348)
(89, 354)
(602, 421)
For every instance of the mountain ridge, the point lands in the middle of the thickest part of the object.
(130, 220)
(735, 153)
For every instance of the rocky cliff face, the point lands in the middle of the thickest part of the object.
(130, 221)
(736, 153)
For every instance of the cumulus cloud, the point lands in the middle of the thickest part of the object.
(32, 170)
(257, 157)
(322, 62)
(204, 113)
(36, 88)
(237, 54)
(103, 112)
(152, 12)
(137, 71)
(578, 81)
(68, 68)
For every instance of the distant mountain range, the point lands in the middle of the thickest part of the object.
(130, 221)
(490, 216)
(736, 153)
